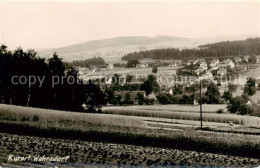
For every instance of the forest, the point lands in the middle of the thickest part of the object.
(249, 46)
(95, 61)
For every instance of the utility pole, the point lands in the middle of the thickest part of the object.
(200, 106)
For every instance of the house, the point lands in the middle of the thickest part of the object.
(152, 97)
(168, 90)
(240, 68)
(189, 62)
(110, 66)
(178, 62)
(214, 68)
(199, 71)
(199, 61)
(237, 60)
(174, 64)
(258, 59)
(208, 74)
(204, 65)
(141, 65)
(214, 62)
(228, 62)
(246, 58)
(255, 99)
(133, 95)
(103, 67)
(257, 83)
(222, 71)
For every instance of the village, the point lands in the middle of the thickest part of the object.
(175, 76)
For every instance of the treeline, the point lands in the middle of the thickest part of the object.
(44, 84)
(249, 46)
(95, 61)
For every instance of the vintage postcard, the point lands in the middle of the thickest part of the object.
(129, 84)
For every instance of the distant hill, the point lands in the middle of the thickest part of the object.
(250, 46)
(113, 49)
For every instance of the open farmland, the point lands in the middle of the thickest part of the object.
(253, 72)
(184, 113)
(133, 71)
(156, 138)
(82, 153)
(43, 115)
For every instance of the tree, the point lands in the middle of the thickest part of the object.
(150, 85)
(94, 98)
(232, 88)
(245, 97)
(57, 71)
(213, 94)
(129, 78)
(95, 61)
(163, 98)
(74, 91)
(251, 82)
(155, 69)
(128, 99)
(116, 79)
(132, 63)
(140, 98)
(227, 96)
(234, 105)
(252, 59)
(56, 65)
(244, 109)
(249, 90)
(177, 89)
(186, 99)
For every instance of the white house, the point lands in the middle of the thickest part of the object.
(141, 65)
(110, 66)
(214, 68)
(237, 60)
(208, 74)
(214, 62)
(199, 71)
(204, 65)
(222, 71)
(228, 62)
(199, 61)
(189, 62)
(246, 58)
(258, 59)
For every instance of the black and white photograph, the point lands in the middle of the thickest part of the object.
(129, 84)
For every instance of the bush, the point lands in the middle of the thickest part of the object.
(25, 119)
(35, 118)
(220, 111)
(244, 109)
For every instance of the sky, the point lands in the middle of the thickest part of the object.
(52, 24)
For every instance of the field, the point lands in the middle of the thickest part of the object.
(133, 71)
(155, 140)
(185, 113)
(253, 72)
(96, 153)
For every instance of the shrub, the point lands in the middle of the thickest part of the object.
(35, 118)
(25, 118)
(220, 111)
